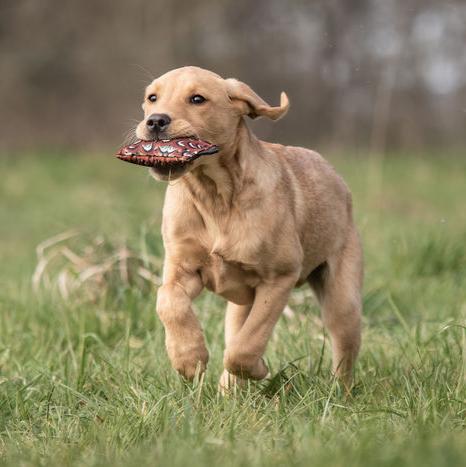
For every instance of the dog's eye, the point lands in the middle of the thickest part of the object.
(152, 98)
(197, 99)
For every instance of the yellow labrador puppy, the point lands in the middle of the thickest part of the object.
(249, 223)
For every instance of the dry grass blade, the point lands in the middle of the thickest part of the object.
(289, 312)
(123, 256)
(149, 276)
(40, 249)
(92, 268)
(39, 276)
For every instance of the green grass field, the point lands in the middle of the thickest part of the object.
(84, 379)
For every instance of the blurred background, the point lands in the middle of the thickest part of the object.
(372, 74)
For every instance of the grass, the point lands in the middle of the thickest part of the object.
(84, 379)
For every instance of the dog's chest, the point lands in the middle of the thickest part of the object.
(228, 245)
(232, 280)
(230, 267)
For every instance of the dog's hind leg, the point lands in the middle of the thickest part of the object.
(337, 285)
(235, 317)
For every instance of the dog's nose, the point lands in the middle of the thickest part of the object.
(158, 122)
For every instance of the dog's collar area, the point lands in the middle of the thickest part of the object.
(176, 152)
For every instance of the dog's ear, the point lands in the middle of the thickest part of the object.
(250, 104)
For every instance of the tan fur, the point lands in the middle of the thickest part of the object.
(250, 223)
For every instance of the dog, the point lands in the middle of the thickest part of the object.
(249, 223)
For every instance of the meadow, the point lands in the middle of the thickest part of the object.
(84, 378)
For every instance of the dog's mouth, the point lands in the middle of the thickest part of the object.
(166, 155)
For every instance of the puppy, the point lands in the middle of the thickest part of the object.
(250, 223)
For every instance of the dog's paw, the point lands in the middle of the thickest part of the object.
(245, 365)
(189, 361)
(229, 383)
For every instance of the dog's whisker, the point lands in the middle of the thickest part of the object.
(130, 136)
(133, 120)
(148, 73)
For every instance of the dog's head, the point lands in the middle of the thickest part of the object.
(192, 102)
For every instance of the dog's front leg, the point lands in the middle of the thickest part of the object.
(184, 338)
(244, 351)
